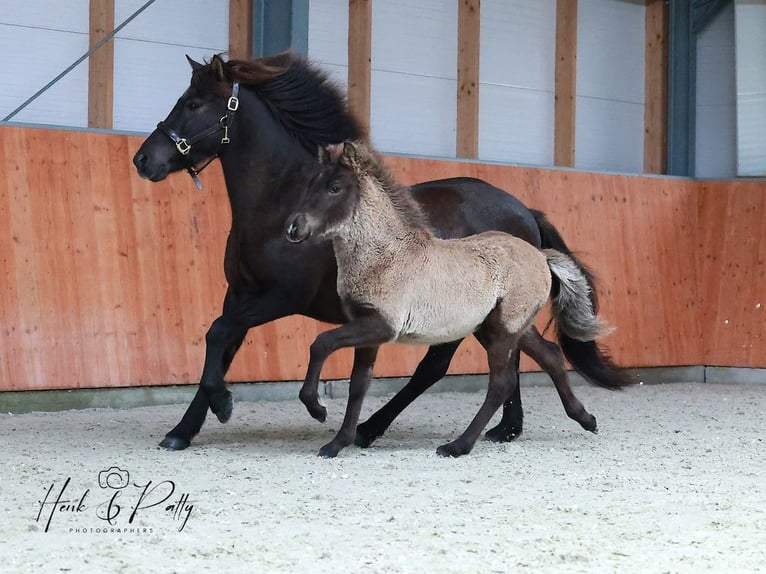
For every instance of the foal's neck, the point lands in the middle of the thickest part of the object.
(376, 233)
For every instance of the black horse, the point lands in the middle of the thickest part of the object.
(265, 119)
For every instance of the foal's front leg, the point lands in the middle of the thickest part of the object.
(364, 333)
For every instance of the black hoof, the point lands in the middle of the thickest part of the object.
(452, 450)
(589, 424)
(318, 412)
(222, 405)
(174, 443)
(364, 436)
(502, 434)
(330, 450)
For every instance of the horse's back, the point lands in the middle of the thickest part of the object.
(462, 206)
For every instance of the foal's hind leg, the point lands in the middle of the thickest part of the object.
(511, 424)
(549, 356)
(502, 380)
(431, 369)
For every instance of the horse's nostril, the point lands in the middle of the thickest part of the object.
(140, 159)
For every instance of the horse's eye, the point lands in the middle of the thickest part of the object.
(192, 105)
(334, 189)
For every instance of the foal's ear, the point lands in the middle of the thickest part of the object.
(219, 67)
(350, 151)
(331, 153)
(194, 65)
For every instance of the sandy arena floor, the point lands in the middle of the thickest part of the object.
(675, 481)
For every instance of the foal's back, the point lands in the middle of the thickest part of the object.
(454, 284)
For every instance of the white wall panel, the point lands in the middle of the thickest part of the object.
(517, 80)
(414, 76)
(150, 66)
(609, 127)
(199, 23)
(328, 38)
(716, 114)
(50, 14)
(413, 114)
(37, 56)
(750, 16)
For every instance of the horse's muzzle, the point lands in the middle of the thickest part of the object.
(148, 171)
(297, 229)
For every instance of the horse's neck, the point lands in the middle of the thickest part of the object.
(262, 161)
(375, 234)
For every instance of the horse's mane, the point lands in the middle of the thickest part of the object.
(365, 161)
(299, 95)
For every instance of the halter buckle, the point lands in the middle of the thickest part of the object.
(183, 147)
(233, 104)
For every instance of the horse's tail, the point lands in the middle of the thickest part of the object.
(575, 309)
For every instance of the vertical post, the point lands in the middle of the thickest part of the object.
(468, 56)
(566, 83)
(360, 59)
(101, 65)
(656, 87)
(682, 89)
(240, 29)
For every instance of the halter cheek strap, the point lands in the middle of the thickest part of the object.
(184, 145)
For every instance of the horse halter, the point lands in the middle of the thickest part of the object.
(184, 145)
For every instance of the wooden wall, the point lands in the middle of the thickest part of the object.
(109, 280)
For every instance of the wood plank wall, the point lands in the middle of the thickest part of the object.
(109, 280)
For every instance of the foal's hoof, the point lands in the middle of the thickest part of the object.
(317, 411)
(589, 423)
(502, 434)
(452, 449)
(174, 443)
(222, 405)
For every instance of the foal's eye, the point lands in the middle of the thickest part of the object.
(334, 188)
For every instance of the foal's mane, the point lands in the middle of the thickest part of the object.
(299, 95)
(365, 161)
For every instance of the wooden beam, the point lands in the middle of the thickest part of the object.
(566, 83)
(656, 88)
(360, 59)
(468, 54)
(101, 65)
(240, 29)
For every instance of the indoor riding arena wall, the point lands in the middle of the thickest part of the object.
(112, 281)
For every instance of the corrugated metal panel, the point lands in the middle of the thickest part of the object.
(517, 78)
(751, 86)
(328, 37)
(414, 76)
(716, 113)
(610, 85)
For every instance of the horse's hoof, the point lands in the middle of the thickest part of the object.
(502, 434)
(222, 405)
(329, 450)
(174, 443)
(452, 450)
(365, 437)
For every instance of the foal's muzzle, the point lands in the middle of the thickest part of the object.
(297, 229)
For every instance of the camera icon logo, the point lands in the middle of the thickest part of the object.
(113, 477)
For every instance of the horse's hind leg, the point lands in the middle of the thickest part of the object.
(549, 356)
(430, 370)
(502, 380)
(511, 424)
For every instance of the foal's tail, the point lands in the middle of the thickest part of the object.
(575, 309)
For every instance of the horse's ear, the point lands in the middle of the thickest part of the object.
(194, 65)
(331, 153)
(219, 67)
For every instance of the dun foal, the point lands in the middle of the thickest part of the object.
(399, 283)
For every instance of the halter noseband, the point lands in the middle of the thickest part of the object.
(184, 145)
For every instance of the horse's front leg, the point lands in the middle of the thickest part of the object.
(223, 340)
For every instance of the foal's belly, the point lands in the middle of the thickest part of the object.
(443, 323)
